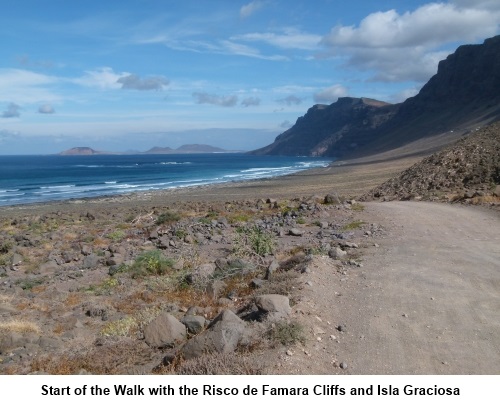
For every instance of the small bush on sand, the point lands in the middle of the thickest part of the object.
(287, 333)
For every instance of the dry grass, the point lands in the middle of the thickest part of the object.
(19, 326)
(486, 200)
(220, 364)
(118, 357)
(72, 300)
(6, 298)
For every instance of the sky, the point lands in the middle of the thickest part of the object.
(133, 74)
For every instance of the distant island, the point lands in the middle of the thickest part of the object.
(156, 150)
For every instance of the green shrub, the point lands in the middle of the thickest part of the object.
(29, 283)
(151, 263)
(167, 217)
(5, 247)
(288, 333)
(253, 241)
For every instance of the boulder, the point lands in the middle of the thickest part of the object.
(496, 190)
(48, 267)
(164, 331)
(194, 323)
(337, 253)
(331, 199)
(16, 259)
(296, 232)
(273, 266)
(201, 273)
(90, 261)
(275, 305)
(222, 336)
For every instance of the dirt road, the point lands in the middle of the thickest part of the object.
(426, 301)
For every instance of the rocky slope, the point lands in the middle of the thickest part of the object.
(469, 169)
(177, 289)
(462, 95)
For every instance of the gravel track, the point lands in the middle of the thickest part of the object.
(426, 301)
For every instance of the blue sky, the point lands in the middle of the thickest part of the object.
(130, 75)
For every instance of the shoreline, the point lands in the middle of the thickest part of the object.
(348, 178)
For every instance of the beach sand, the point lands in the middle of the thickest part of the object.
(343, 178)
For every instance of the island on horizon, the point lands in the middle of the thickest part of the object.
(156, 150)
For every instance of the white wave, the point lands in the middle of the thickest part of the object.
(110, 182)
(58, 187)
(257, 169)
(9, 190)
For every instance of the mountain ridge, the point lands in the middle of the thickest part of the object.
(462, 95)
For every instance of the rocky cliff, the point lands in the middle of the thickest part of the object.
(462, 95)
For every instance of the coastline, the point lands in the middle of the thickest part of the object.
(348, 178)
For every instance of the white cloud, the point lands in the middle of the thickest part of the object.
(234, 48)
(148, 83)
(432, 24)
(223, 101)
(23, 86)
(286, 124)
(479, 4)
(248, 9)
(289, 39)
(103, 78)
(250, 101)
(408, 64)
(404, 94)
(8, 136)
(330, 94)
(408, 46)
(46, 109)
(12, 111)
(290, 100)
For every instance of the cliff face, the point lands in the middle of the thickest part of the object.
(341, 126)
(463, 93)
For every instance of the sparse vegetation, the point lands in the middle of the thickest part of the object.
(167, 217)
(29, 283)
(116, 236)
(287, 333)
(19, 326)
(150, 263)
(357, 207)
(353, 225)
(253, 241)
(219, 364)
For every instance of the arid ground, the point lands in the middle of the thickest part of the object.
(374, 288)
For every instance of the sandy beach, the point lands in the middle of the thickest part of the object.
(344, 178)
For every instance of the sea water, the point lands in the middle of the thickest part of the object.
(36, 179)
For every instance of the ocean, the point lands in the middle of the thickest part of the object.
(38, 179)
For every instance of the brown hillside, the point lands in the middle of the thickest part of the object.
(467, 170)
